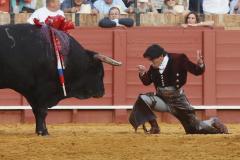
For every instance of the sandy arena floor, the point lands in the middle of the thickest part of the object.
(115, 142)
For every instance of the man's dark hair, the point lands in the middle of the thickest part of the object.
(112, 8)
(154, 51)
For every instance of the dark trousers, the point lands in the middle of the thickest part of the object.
(175, 102)
(180, 107)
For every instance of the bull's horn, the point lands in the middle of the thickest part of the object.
(107, 60)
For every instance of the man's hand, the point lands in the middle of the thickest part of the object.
(94, 11)
(130, 10)
(75, 9)
(200, 58)
(141, 69)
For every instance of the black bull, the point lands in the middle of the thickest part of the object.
(28, 66)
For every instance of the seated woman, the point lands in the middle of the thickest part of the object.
(114, 19)
(192, 19)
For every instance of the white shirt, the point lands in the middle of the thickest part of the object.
(216, 6)
(103, 8)
(163, 64)
(42, 14)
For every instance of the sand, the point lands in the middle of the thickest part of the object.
(115, 142)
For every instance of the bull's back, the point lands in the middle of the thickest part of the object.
(20, 38)
(23, 52)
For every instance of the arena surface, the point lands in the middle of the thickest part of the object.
(115, 142)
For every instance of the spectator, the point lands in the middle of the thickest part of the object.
(157, 5)
(18, 6)
(114, 19)
(192, 19)
(2, 2)
(78, 6)
(29, 6)
(103, 6)
(52, 9)
(144, 6)
(172, 6)
(216, 6)
(196, 6)
(235, 7)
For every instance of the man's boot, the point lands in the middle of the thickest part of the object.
(154, 127)
(142, 113)
(222, 129)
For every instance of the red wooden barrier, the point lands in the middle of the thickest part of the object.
(220, 84)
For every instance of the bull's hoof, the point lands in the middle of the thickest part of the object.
(154, 130)
(43, 133)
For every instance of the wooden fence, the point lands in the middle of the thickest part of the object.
(148, 19)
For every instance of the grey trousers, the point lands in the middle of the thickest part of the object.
(176, 103)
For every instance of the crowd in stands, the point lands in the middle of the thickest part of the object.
(114, 8)
(128, 6)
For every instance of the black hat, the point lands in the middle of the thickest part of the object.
(154, 51)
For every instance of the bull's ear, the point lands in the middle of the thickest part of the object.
(107, 60)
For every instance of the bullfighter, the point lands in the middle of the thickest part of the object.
(168, 73)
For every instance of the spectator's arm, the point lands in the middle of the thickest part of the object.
(96, 6)
(129, 10)
(126, 22)
(206, 23)
(107, 23)
(94, 9)
(90, 2)
(203, 24)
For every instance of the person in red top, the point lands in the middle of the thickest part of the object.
(2, 2)
(168, 73)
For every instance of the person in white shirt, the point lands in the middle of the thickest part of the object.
(216, 6)
(103, 6)
(52, 9)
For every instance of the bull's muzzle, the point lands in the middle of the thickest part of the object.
(107, 60)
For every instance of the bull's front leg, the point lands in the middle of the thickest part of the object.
(40, 117)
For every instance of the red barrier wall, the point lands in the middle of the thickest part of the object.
(218, 86)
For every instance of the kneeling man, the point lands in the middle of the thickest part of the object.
(168, 73)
